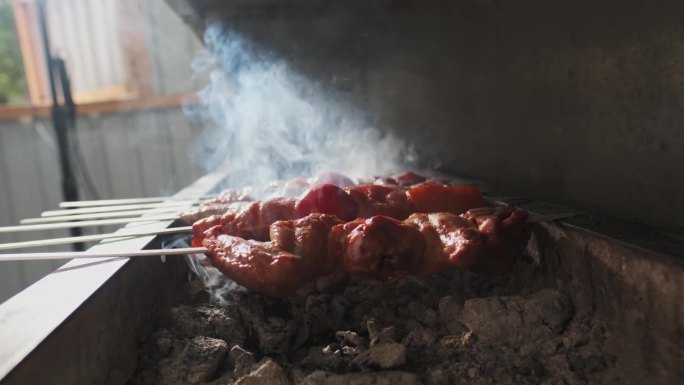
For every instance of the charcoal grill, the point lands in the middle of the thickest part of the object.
(82, 324)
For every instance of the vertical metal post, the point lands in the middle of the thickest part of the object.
(69, 183)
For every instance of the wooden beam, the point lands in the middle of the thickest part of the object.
(29, 43)
(101, 107)
(135, 53)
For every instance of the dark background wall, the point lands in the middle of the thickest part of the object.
(577, 101)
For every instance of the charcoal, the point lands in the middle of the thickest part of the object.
(450, 308)
(332, 283)
(419, 337)
(378, 334)
(517, 319)
(422, 313)
(321, 315)
(436, 376)
(201, 358)
(272, 334)
(325, 357)
(193, 361)
(268, 372)
(351, 338)
(190, 321)
(450, 311)
(241, 360)
(364, 378)
(438, 329)
(385, 355)
(576, 336)
(363, 291)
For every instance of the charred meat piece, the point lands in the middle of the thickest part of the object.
(297, 253)
(485, 240)
(407, 178)
(389, 201)
(435, 197)
(379, 247)
(322, 194)
(504, 234)
(225, 201)
(253, 221)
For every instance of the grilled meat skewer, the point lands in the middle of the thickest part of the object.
(226, 200)
(485, 240)
(347, 204)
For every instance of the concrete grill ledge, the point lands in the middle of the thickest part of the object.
(79, 324)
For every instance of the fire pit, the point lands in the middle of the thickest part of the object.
(593, 301)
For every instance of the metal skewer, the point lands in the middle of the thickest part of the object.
(91, 238)
(107, 209)
(114, 202)
(81, 217)
(86, 254)
(122, 214)
(67, 225)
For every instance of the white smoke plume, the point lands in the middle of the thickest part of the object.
(264, 122)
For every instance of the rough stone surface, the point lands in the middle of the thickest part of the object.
(367, 378)
(267, 373)
(385, 355)
(436, 330)
(241, 360)
(516, 319)
(209, 321)
(201, 358)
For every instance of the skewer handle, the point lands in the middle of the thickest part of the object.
(85, 254)
(91, 238)
(68, 225)
(82, 217)
(90, 210)
(114, 202)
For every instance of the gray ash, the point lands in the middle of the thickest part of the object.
(438, 329)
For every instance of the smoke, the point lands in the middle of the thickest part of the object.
(215, 283)
(264, 122)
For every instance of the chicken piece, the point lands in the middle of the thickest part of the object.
(407, 178)
(206, 210)
(504, 234)
(379, 247)
(397, 202)
(451, 241)
(485, 240)
(297, 253)
(225, 201)
(252, 222)
(328, 199)
(374, 200)
(434, 197)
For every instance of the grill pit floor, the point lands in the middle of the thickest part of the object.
(437, 329)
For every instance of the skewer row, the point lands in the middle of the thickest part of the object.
(86, 254)
(108, 212)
